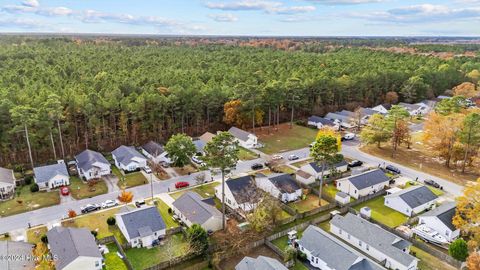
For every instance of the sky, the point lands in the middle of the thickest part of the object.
(244, 17)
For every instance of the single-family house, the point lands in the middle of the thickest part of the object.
(206, 137)
(141, 227)
(326, 252)
(92, 165)
(74, 248)
(427, 105)
(382, 108)
(240, 194)
(364, 114)
(373, 240)
(320, 122)
(128, 159)
(18, 255)
(260, 263)
(342, 120)
(440, 220)
(7, 184)
(363, 184)
(191, 208)
(414, 109)
(245, 139)
(51, 176)
(412, 200)
(281, 186)
(304, 177)
(155, 152)
(314, 169)
(199, 146)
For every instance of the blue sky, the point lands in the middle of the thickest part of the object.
(245, 17)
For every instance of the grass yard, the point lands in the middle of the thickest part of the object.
(283, 215)
(25, 201)
(174, 246)
(286, 138)
(81, 190)
(246, 154)
(163, 208)
(112, 261)
(188, 169)
(429, 262)
(300, 164)
(206, 191)
(310, 203)
(330, 190)
(299, 266)
(282, 242)
(116, 171)
(132, 180)
(285, 169)
(34, 234)
(382, 213)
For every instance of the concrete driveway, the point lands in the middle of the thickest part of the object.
(111, 181)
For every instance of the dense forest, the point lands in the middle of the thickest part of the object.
(102, 93)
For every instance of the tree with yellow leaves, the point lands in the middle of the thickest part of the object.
(473, 261)
(125, 196)
(467, 216)
(466, 89)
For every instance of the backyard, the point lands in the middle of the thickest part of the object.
(132, 180)
(25, 201)
(429, 262)
(309, 203)
(80, 190)
(245, 154)
(382, 213)
(163, 208)
(286, 138)
(112, 261)
(206, 191)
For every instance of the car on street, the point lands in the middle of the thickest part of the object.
(109, 203)
(276, 157)
(393, 169)
(355, 163)
(64, 191)
(89, 208)
(430, 182)
(256, 166)
(293, 157)
(348, 137)
(147, 169)
(181, 184)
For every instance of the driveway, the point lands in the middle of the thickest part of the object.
(111, 181)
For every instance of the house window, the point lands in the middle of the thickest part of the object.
(359, 243)
(340, 231)
(97, 264)
(447, 233)
(155, 233)
(355, 191)
(368, 247)
(348, 236)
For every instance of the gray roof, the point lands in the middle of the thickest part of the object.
(409, 107)
(195, 209)
(260, 263)
(16, 249)
(199, 145)
(71, 243)
(346, 113)
(241, 188)
(444, 213)
(336, 116)
(6, 176)
(87, 158)
(139, 221)
(374, 236)
(45, 173)
(367, 179)
(239, 133)
(284, 182)
(153, 148)
(318, 169)
(333, 252)
(367, 111)
(126, 154)
(318, 119)
(415, 196)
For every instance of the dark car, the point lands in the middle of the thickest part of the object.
(355, 163)
(90, 208)
(432, 183)
(256, 166)
(181, 184)
(393, 169)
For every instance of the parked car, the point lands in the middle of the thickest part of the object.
(181, 184)
(293, 157)
(393, 169)
(147, 169)
(109, 203)
(432, 183)
(348, 137)
(197, 160)
(139, 203)
(355, 163)
(277, 157)
(89, 208)
(256, 166)
(64, 191)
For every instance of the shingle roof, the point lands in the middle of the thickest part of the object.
(71, 243)
(318, 169)
(303, 174)
(126, 154)
(199, 145)
(342, 194)
(374, 236)
(192, 206)
(139, 220)
(239, 133)
(284, 182)
(409, 107)
(346, 113)
(336, 116)
(6, 176)
(260, 263)
(11, 248)
(333, 252)
(153, 148)
(87, 158)
(318, 119)
(207, 137)
(444, 213)
(367, 111)
(367, 179)
(45, 173)
(241, 188)
(415, 196)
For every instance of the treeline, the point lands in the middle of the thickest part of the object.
(101, 94)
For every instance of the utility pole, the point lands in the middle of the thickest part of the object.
(29, 147)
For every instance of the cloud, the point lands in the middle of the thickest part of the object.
(259, 5)
(227, 17)
(31, 3)
(21, 23)
(346, 2)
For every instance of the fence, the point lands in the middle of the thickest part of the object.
(110, 239)
(364, 199)
(174, 261)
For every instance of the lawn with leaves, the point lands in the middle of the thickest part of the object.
(132, 180)
(309, 203)
(81, 190)
(246, 154)
(286, 138)
(25, 201)
(382, 213)
(206, 191)
(34, 234)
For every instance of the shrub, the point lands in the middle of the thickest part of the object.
(458, 249)
(28, 180)
(302, 256)
(18, 168)
(170, 210)
(44, 239)
(94, 233)
(34, 188)
(111, 221)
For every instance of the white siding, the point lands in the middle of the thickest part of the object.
(437, 225)
(84, 262)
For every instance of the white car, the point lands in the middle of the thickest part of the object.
(109, 203)
(277, 157)
(197, 160)
(293, 157)
(147, 169)
(349, 136)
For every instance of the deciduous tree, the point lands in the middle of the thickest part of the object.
(466, 89)
(125, 196)
(458, 249)
(467, 216)
(180, 149)
(376, 131)
(473, 261)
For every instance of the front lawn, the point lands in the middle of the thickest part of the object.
(132, 180)
(284, 169)
(34, 234)
(163, 208)
(382, 213)
(174, 246)
(246, 154)
(81, 190)
(300, 164)
(286, 138)
(185, 170)
(112, 261)
(310, 203)
(206, 191)
(25, 201)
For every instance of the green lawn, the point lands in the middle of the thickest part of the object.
(286, 139)
(282, 242)
(112, 261)
(300, 164)
(141, 258)
(206, 191)
(285, 169)
(116, 171)
(246, 154)
(310, 203)
(81, 190)
(299, 266)
(163, 208)
(28, 201)
(429, 262)
(382, 213)
(132, 180)
(330, 190)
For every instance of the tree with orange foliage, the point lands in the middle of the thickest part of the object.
(72, 213)
(466, 89)
(234, 114)
(467, 216)
(391, 97)
(473, 261)
(125, 196)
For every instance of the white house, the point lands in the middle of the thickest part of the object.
(320, 122)
(92, 165)
(414, 109)
(371, 239)
(155, 152)
(281, 186)
(240, 194)
(191, 208)
(304, 177)
(74, 248)
(440, 220)
(128, 159)
(412, 200)
(365, 114)
(51, 176)
(363, 184)
(382, 108)
(326, 252)
(141, 227)
(245, 139)
(315, 170)
(7, 184)
(260, 263)
(340, 119)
